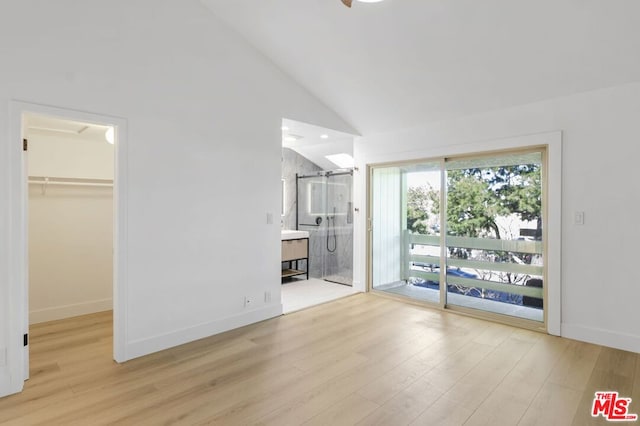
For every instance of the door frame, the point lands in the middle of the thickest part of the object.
(18, 356)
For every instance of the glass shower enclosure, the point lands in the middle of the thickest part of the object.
(325, 210)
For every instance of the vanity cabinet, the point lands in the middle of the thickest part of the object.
(293, 251)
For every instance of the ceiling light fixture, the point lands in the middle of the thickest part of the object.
(290, 140)
(110, 135)
(324, 136)
(285, 128)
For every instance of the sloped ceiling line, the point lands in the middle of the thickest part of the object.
(391, 65)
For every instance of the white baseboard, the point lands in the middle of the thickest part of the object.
(150, 345)
(68, 311)
(626, 342)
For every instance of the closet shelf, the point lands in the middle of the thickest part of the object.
(45, 180)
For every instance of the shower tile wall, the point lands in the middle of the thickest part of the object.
(293, 163)
(317, 250)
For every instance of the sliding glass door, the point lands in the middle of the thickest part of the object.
(473, 223)
(494, 234)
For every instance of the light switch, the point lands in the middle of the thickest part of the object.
(269, 218)
(578, 218)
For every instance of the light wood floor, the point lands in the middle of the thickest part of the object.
(361, 360)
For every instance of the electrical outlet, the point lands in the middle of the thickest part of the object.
(269, 218)
(578, 218)
(267, 296)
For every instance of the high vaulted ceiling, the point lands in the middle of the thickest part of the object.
(399, 63)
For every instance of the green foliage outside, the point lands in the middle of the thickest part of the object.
(420, 208)
(476, 197)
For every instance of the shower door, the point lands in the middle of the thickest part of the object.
(325, 209)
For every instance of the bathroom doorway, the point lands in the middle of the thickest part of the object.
(317, 195)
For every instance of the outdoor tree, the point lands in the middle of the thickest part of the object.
(476, 197)
(418, 208)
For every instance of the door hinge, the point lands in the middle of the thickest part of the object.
(25, 144)
(26, 339)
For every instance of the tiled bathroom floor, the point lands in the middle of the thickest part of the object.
(300, 293)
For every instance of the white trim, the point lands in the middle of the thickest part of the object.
(554, 234)
(120, 242)
(600, 336)
(67, 311)
(553, 142)
(17, 359)
(160, 342)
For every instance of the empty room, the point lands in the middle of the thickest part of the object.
(447, 184)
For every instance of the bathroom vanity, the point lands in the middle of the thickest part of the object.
(295, 247)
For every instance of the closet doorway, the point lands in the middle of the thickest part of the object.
(70, 211)
(68, 236)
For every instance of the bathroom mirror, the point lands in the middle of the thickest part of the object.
(323, 197)
(316, 198)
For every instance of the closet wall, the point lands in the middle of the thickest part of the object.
(70, 227)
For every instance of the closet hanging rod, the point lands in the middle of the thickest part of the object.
(43, 180)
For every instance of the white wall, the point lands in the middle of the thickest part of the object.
(600, 135)
(54, 154)
(70, 227)
(203, 114)
(5, 305)
(70, 251)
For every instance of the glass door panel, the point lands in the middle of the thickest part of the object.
(405, 236)
(338, 257)
(494, 234)
(325, 210)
